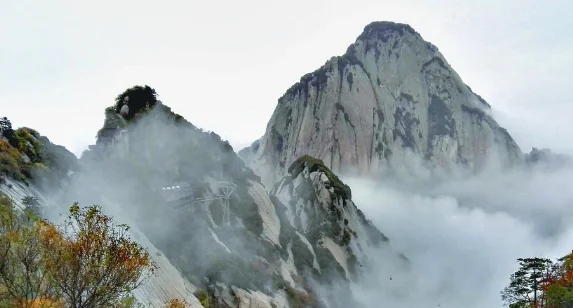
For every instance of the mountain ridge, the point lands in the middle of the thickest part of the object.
(156, 171)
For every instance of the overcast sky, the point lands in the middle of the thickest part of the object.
(63, 62)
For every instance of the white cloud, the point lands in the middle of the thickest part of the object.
(464, 236)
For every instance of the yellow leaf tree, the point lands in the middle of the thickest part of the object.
(22, 256)
(92, 261)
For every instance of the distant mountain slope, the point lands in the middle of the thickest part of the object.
(29, 157)
(545, 158)
(390, 94)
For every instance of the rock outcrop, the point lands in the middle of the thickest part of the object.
(390, 95)
(321, 225)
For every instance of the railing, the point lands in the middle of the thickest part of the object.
(225, 189)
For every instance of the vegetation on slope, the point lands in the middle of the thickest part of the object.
(87, 261)
(541, 283)
(315, 164)
(26, 156)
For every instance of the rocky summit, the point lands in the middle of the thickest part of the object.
(219, 238)
(391, 95)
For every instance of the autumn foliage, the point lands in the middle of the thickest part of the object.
(22, 275)
(176, 303)
(45, 303)
(89, 248)
(88, 261)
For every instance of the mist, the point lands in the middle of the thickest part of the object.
(463, 235)
(126, 180)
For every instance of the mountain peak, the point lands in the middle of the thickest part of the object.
(391, 94)
(381, 29)
(374, 35)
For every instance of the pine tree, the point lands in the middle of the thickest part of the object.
(524, 289)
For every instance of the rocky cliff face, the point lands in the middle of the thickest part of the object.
(390, 94)
(220, 239)
(319, 217)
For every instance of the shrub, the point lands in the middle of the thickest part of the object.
(298, 298)
(140, 97)
(204, 298)
(176, 303)
(10, 160)
(28, 144)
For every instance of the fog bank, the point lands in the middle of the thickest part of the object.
(463, 236)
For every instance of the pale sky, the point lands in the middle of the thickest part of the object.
(62, 62)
